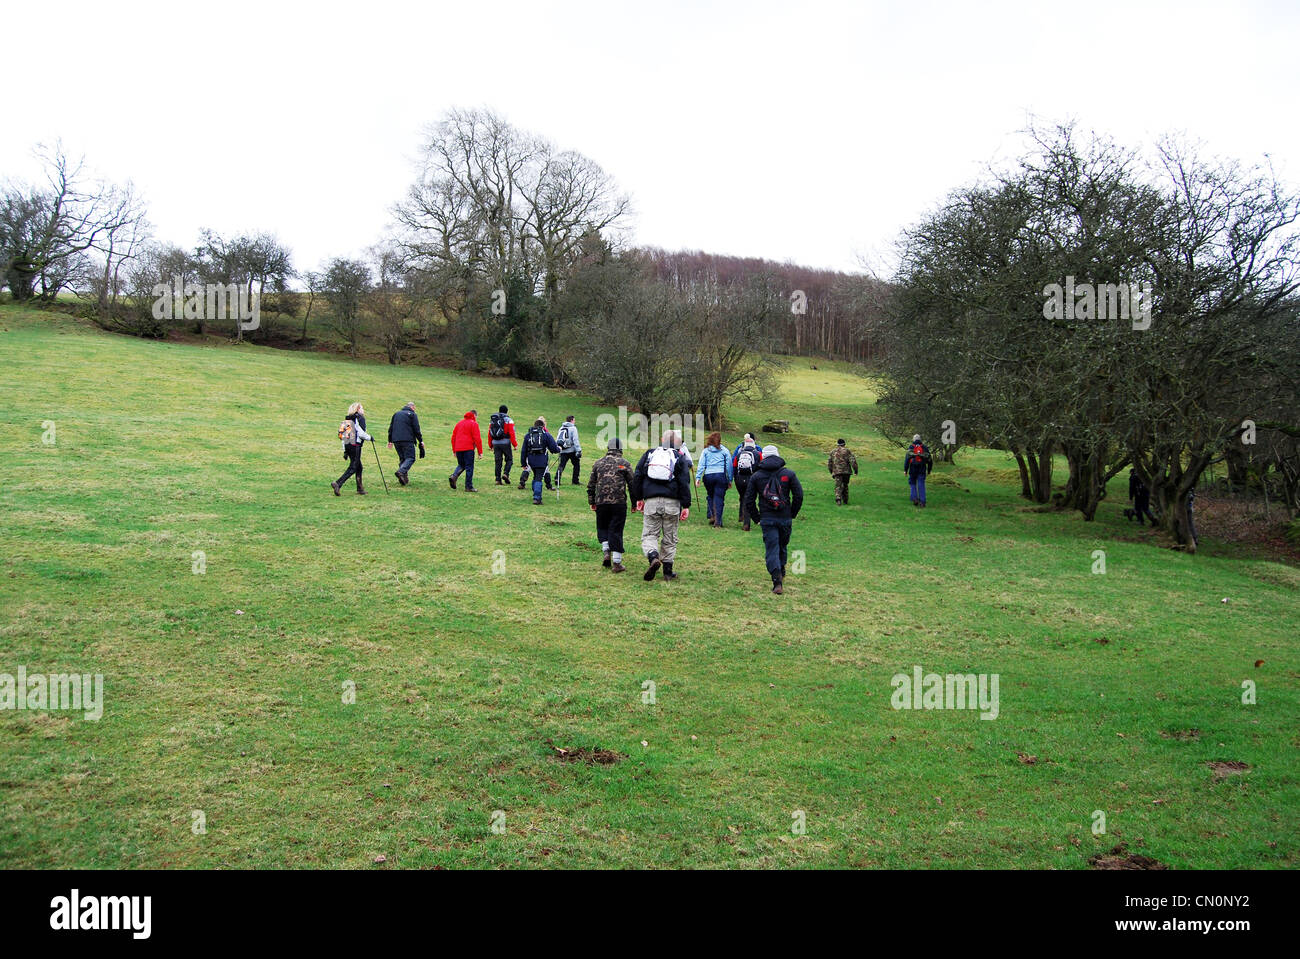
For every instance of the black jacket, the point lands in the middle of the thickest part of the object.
(769, 467)
(678, 488)
(404, 427)
(1136, 488)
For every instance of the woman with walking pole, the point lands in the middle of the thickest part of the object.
(352, 432)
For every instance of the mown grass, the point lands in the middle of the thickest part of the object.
(224, 691)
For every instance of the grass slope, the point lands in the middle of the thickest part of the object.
(765, 705)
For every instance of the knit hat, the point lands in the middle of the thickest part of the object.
(771, 450)
(615, 445)
(839, 442)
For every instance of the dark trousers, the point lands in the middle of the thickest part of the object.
(503, 453)
(1142, 506)
(564, 458)
(715, 484)
(742, 485)
(776, 537)
(465, 464)
(609, 525)
(354, 463)
(406, 453)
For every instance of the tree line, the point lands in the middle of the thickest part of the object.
(505, 252)
(1202, 367)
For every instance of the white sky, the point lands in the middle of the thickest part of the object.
(804, 131)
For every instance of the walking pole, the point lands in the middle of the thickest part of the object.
(380, 465)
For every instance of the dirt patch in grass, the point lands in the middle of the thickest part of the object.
(1182, 735)
(583, 754)
(1121, 858)
(1224, 769)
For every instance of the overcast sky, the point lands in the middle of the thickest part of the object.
(810, 132)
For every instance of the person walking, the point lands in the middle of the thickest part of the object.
(917, 464)
(607, 493)
(715, 471)
(661, 488)
(352, 431)
(403, 434)
(546, 475)
(570, 449)
(537, 444)
(466, 439)
(842, 463)
(743, 463)
(1141, 497)
(501, 434)
(775, 496)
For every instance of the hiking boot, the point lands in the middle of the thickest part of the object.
(606, 561)
(777, 588)
(451, 481)
(547, 481)
(361, 490)
(746, 526)
(654, 567)
(401, 477)
(668, 571)
(537, 502)
(335, 488)
(575, 481)
(471, 489)
(618, 568)
(521, 484)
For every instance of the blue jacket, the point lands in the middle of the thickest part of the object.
(535, 455)
(714, 459)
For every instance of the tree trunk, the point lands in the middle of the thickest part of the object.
(1025, 490)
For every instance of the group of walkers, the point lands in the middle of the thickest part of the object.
(659, 486)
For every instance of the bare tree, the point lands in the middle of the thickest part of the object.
(346, 284)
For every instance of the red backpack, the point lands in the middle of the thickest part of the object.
(917, 455)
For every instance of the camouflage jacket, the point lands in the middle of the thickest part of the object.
(610, 478)
(842, 462)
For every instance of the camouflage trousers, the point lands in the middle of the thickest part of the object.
(841, 489)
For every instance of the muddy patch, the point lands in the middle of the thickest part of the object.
(1182, 735)
(1121, 858)
(1226, 768)
(583, 754)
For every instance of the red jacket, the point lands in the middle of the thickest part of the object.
(466, 435)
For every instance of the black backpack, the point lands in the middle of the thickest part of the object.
(537, 440)
(774, 493)
(497, 427)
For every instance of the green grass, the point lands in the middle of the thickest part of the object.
(765, 705)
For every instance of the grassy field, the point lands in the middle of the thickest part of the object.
(224, 690)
